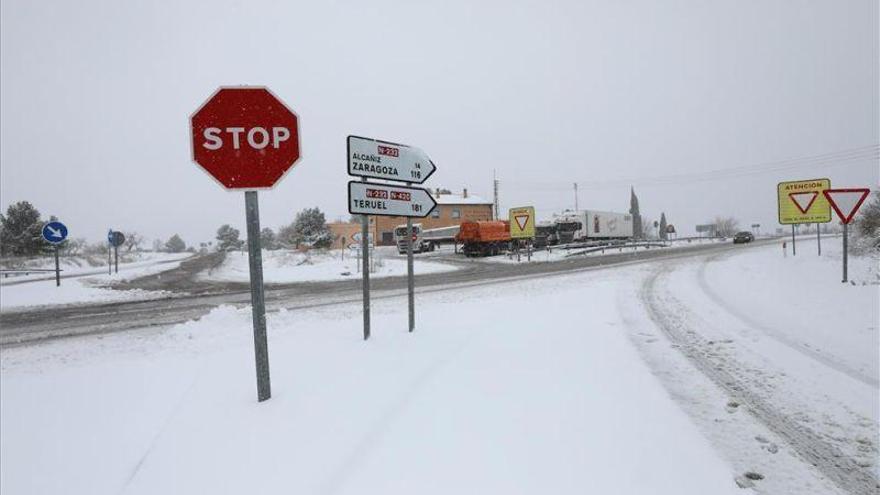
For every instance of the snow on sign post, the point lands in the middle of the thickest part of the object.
(377, 159)
(846, 202)
(247, 139)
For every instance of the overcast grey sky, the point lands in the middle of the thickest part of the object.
(96, 96)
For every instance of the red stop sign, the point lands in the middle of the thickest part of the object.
(245, 137)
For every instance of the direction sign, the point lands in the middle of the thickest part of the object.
(54, 232)
(115, 238)
(846, 202)
(802, 201)
(366, 198)
(357, 237)
(389, 161)
(245, 137)
(522, 222)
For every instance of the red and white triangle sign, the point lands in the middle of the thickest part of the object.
(521, 220)
(804, 200)
(846, 202)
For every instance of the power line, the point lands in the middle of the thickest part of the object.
(832, 159)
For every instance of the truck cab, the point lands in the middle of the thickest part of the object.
(420, 244)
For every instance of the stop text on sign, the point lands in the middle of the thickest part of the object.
(256, 137)
(245, 137)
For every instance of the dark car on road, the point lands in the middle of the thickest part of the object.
(743, 237)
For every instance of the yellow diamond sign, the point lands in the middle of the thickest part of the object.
(802, 201)
(522, 222)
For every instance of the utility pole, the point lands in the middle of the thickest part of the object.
(495, 188)
(575, 196)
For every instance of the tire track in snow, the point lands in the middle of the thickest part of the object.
(780, 337)
(843, 471)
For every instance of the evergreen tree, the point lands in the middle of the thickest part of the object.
(228, 238)
(22, 230)
(267, 239)
(636, 216)
(663, 234)
(308, 228)
(175, 244)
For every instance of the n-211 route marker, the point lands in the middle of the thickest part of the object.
(377, 159)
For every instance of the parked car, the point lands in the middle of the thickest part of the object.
(743, 237)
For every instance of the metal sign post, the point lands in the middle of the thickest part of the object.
(55, 233)
(845, 256)
(57, 268)
(110, 252)
(793, 245)
(258, 304)
(365, 270)
(818, 240)
(373, 158)
(410, 277)
(246, 138)
(846, 202)
(115, 239)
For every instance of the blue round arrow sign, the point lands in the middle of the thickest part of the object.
(115, 238)
(55, 232)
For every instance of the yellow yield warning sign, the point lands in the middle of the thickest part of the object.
(522, 222)
(802, 201)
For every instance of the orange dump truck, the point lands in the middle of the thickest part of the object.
(484, 238)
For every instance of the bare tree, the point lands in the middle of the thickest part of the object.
(133, 241)
(726, 226)
(868, 226)
(76, 246)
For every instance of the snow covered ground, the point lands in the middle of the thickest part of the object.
(88, 265)
(689, 376)
(495, 392)
(87, 288)
(783, 342)
(284, 266)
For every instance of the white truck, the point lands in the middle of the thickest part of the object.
(586, 225)
(424, 239)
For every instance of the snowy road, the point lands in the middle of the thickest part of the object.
(495, 392)
(628, 378)
(28, 326)
(785, 342)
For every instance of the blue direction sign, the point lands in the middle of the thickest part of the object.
(55, 232)
(115, 238)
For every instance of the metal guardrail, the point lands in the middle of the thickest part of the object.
(25, 271)
(634, 245)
